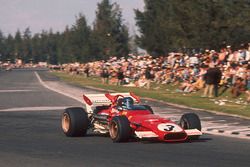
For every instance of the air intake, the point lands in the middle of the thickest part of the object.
(175, 136)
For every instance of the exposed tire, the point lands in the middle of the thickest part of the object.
(75, 122)
(149, 108)
(119, 129)
(191, 121)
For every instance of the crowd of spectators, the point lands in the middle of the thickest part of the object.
(215, 71)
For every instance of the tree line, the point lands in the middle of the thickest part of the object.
(82, 43)
(163, 26)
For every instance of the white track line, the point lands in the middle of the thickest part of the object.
(13, 90)
(55, 90)
(44, 108)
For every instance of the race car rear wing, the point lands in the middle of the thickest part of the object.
(91, 100)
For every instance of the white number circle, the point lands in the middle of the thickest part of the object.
(169, 127)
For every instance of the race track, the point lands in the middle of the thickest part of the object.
(31, 135)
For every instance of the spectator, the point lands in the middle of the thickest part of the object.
(248, 96)
(238, 87)
(86, 70)
(199, 84)
(148, 77)
(105, 76)
(217, 79)
(182, 69)
(212, 79)
(248, 85)
(120, 76)
(141, 82)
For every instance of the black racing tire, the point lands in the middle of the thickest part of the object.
(191, 121)
(119, 129)
(149, 108)
(75, 122)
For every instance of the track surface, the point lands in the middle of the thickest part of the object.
(34, 137)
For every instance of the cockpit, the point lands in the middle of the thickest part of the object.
(127, 103)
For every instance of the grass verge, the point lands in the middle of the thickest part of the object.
(167, 93)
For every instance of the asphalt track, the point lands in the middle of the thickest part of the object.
(33, 136)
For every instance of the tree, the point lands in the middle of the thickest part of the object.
(65, 47)
(18, 50)
(81, 39)
(2, 46)
(165, 25)
(109, 37)
(109, 31)
(9, 48)
(36, 48)
(26, 46)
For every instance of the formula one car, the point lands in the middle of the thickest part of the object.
(121, 116)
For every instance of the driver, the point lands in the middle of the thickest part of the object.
(126, 103)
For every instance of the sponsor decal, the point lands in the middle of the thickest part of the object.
(169, 127)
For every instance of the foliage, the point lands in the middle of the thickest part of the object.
(80, 42)
(169, 24)
(164, 25)
(109, 30)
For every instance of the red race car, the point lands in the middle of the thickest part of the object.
(121, 116)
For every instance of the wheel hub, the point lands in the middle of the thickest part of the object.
(65, 122)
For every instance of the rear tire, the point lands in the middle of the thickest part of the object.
(75, 122)
(119, 129)
(191, 121)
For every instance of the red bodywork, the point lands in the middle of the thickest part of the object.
(145, 124)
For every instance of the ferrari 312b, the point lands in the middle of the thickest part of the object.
(122, 117)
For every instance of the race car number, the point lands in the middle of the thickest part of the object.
(169, 127)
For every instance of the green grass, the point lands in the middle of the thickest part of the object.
(166, 93)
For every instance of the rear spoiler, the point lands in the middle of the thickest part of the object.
(105, 99)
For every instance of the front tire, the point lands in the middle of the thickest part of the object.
(75, 122)
(119, 129)
(191, 121)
